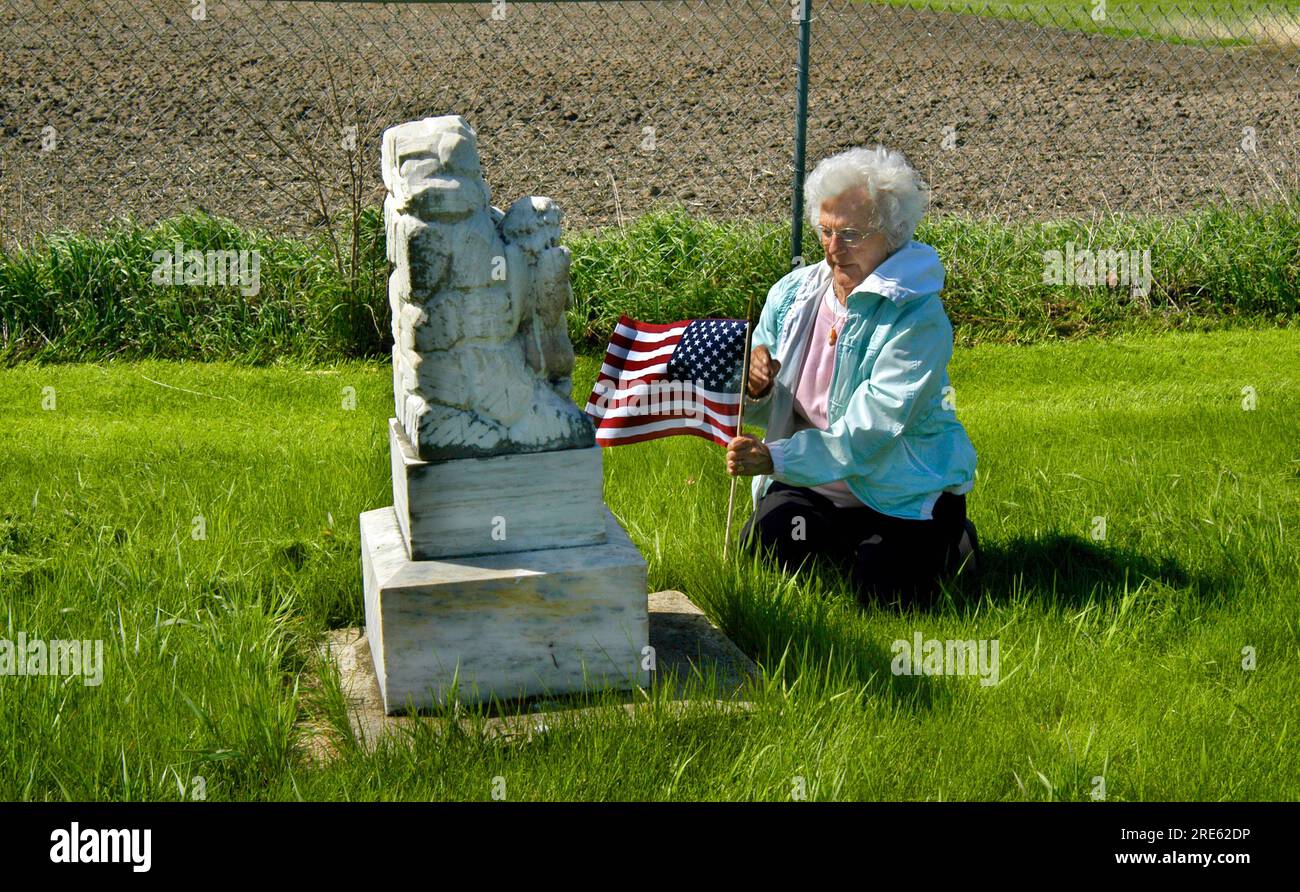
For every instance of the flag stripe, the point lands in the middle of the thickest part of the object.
(625, 382)
(656, 371)
(626, 436)
(625, 338)
(633, 437)
(652, 329)
(621, 418)
(718, 402)
(631, 354)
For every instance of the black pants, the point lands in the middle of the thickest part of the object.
(887, 558)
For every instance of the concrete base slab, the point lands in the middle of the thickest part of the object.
(692, 658)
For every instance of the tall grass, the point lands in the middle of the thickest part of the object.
(74, 297)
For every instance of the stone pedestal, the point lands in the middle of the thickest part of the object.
(495, 505)
(502, 626)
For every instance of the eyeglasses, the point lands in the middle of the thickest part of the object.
(848, 236)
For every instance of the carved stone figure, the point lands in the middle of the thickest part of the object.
(481, 359)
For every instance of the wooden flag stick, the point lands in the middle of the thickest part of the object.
(740, 416)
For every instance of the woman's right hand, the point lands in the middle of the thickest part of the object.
(762, 371)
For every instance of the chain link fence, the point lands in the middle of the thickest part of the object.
(269, 113)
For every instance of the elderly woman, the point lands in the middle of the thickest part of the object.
(864, 462)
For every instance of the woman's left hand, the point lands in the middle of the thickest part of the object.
(747, 456)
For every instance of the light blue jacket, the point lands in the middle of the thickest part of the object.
(893, 435)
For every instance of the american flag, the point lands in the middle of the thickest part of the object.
(665, 380)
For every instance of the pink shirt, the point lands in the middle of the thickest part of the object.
(813, 390)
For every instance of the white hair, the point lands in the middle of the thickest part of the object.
(899, 197)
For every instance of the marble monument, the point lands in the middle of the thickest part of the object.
(498, 573)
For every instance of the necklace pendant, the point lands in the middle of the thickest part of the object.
(832, 338)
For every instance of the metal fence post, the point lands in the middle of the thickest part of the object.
(800, 135)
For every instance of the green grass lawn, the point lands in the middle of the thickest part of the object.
(1224, 22)
(1120, 657)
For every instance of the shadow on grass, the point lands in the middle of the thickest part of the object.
(1074, 571)
(805, 631)
(810, 623)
